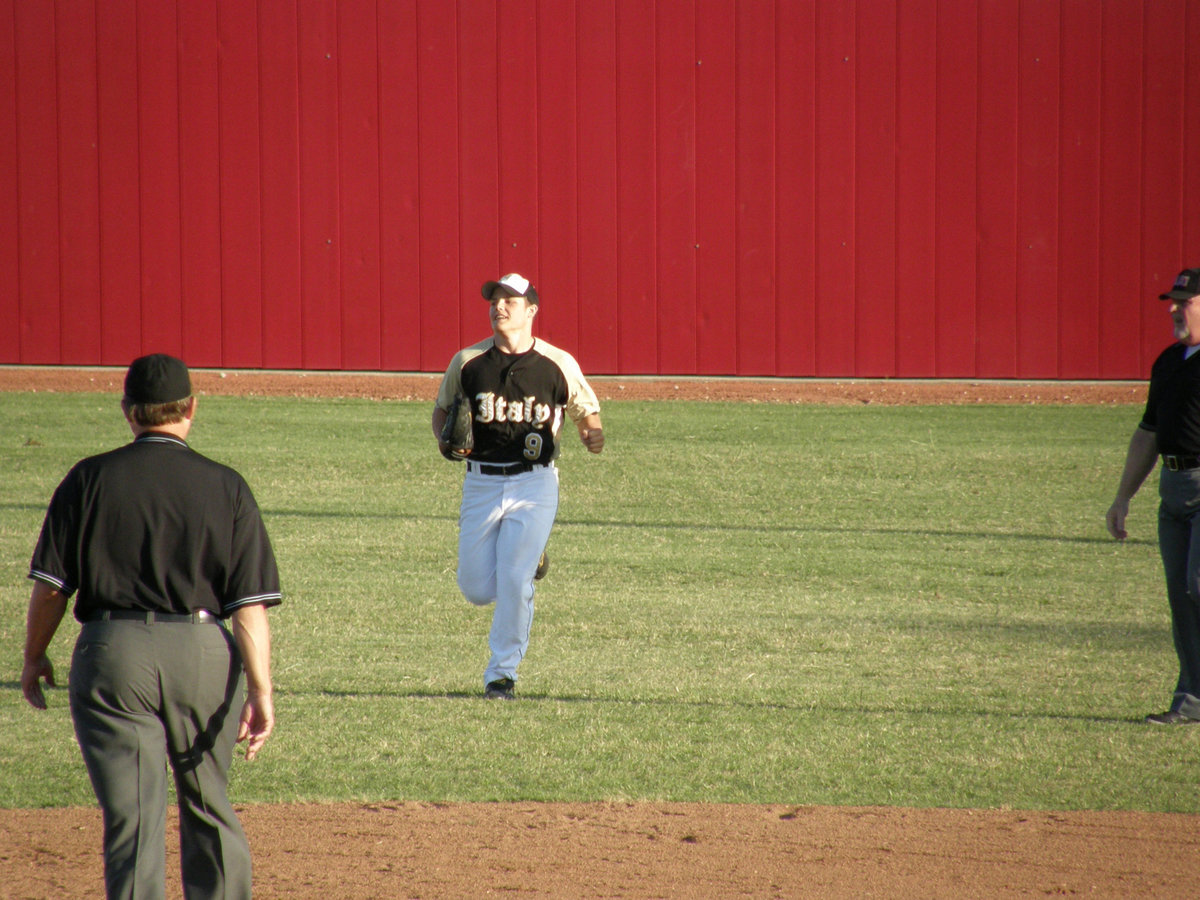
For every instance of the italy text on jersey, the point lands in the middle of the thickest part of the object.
(491, 408)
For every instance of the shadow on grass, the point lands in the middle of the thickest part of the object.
(718, 527)
(822, 710)
(810, 709)
(802, 530)
(567, 522)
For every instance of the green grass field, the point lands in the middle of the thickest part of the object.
(748, 603)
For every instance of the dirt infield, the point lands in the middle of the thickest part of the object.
(641, 850)
(647, 850)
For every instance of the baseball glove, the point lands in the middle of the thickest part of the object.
(457, 441)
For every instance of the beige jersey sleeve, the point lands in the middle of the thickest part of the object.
(451, 385)
(581, 399)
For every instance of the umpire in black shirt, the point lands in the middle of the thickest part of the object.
(159, 547)
(1170, 428)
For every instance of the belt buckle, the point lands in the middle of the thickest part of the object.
(1172, 463)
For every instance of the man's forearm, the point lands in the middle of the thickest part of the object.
(1139, 462)
(253, 635)
(47, 605)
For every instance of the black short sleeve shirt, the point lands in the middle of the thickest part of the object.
(1173, 404)
(156, 526)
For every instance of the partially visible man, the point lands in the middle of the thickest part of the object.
(159, 545)
(521, 390)
(1170, 428)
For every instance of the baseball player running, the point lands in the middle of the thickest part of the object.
(518, 388)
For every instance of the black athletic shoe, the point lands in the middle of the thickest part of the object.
(543, 568)
(1171, 718)
(501, 689)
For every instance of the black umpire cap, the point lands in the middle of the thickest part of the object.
(1187, 286)
(157, 378)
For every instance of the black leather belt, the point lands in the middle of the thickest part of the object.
(515, 469)
(1180, 463)
(136, 615)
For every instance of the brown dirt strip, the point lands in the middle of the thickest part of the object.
(647, 850)
(404, 386)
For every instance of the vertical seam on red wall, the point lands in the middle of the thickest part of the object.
(1141, 175)
(934, 100)
(338, 209)
(380, 349)
(16, 150)
(1100, 166)
(499, 100)
(1101, 171)
(58, 178)
(620, 274)
(137, 132)
(896, 195)
(1058, 195)
(219, 305)
(264, 332)
(579, 196)
(974, 361)
(1188, 103)
(300, 312)
(775, 185)
(417, 256)
(99, 216)
(734, 231)
(656, 149)
(537, 141)
(1020, 257)
(695, 233)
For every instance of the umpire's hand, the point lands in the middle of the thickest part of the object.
(1115, 519)
(47, 605)
(257, 722)
(253, 636)
(32, 674)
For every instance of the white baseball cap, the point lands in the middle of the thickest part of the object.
(512, 284)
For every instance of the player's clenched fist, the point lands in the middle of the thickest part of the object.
(591, 433)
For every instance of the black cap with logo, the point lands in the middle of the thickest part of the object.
(1187, 286)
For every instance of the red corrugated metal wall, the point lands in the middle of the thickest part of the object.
(905, 188)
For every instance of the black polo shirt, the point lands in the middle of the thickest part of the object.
(1173, 405)
(156, 526)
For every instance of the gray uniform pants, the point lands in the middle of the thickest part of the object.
(1179, 544)
(145, 697)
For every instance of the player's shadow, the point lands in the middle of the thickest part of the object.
(764, 527)
(801, 709)
(803, 530)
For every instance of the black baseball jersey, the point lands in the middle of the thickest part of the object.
(1173, 404)
(518, 401)
(156, 526)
